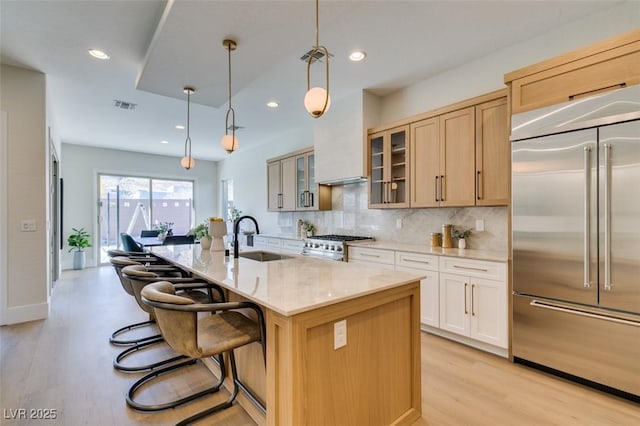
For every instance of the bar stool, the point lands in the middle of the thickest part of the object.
(138, 277)
(221, 332)
(120, 262)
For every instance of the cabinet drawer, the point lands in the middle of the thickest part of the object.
(274, 243)
(372, 255)
(417, 260)
(474, 268)
(587, 76)
(259, 241)
(294, 246)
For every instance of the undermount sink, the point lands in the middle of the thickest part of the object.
(263, 256)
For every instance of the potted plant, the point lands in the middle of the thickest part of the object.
(78, 240)
(309, 228)
(201, 233)
(164, 228)
(462, 236)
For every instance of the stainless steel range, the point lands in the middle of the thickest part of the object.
(332, 247)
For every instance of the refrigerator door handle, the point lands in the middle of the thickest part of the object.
(587, 217)
(543, 305)
(607, 217)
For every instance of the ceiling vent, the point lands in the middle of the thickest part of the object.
(317, 56)
(123, 105)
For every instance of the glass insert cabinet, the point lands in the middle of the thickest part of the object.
(389, 168)
(306, 198)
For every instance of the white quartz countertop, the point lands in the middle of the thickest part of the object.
(288, 286)
(494, 256)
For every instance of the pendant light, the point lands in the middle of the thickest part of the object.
(229, 141)
(187, 161)
(317, 99)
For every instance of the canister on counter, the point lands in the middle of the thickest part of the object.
(436, 239)
(446, 236)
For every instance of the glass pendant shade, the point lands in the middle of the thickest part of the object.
(229, 143)
(187, 162)
(315, 100)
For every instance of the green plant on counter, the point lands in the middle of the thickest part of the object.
(461, 234)
(309, 227)
(200, 231)
(79, 240)
(234, 214)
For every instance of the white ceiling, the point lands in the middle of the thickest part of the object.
(158, 47)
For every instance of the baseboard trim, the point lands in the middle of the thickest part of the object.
(466, 341)
(25, 313)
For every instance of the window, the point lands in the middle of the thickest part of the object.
(227, 199)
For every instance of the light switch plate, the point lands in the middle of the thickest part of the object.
(339, 334)
(479, 225)
(399, 223)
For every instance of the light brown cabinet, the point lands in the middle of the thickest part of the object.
(281, 184)
(607, 65)
(389, 164)
(310, 195)
(493, 153)
(443, 165)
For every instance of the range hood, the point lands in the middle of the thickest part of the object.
(339, 139)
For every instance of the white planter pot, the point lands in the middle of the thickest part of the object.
(79, 259)
(462, 243)
(205, 243)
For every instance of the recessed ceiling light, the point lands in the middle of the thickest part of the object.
(98, 54)
(179, 127)
(357, 55)
(165, 142)
(272, 104)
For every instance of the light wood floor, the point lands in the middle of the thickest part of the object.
(64, 363)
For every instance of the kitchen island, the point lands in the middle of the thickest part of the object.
(372, 380)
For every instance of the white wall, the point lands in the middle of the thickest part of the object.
(24, 101)
(248, 169)
(487, 73)
(80, 166)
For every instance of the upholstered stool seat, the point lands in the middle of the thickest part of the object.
(226, 329)
(138, 276)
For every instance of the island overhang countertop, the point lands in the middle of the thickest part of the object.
(289, 286)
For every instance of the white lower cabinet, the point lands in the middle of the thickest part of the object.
(472, 306)
(429, 286)
(366, 256)
(461, 299)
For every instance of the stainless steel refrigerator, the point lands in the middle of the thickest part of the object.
(576, 239)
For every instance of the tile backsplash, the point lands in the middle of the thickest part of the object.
(351, 216)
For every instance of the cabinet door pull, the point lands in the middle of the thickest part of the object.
(405, 259)
(311, 200)
(473, 311)
(280, 201)
(442, 188)
(469, 268)
(465, 298)
(370, 255)
(595, 91)
(478, 196)
(436, 190)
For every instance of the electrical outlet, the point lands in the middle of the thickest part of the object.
(479, 225)
(399, 223)
(339, 334)
(28, 226)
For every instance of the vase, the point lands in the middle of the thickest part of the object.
(205, 243)
(79, 259)
(161, 236)
(462, 243)
(217, 231)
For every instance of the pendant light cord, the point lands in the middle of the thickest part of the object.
(187, 142)
(317, 25)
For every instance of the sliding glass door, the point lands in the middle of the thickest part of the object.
(131, 204)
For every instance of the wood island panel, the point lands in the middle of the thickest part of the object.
(373, 380)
